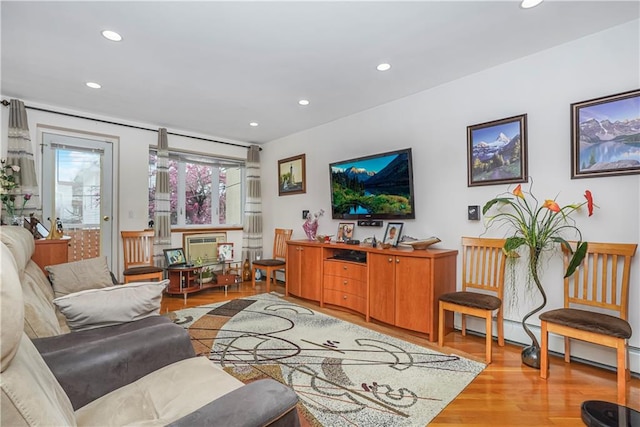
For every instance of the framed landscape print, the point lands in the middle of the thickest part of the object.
(291, 176)
(497, 152)
(225, 252)
(605, 136)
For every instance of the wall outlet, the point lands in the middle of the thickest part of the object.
(305, 213)
(473, 213)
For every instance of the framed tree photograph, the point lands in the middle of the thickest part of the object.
(497, 152)
(345, 231)
(605, 139)
(225, 252)
(292, 176)
(392, 233)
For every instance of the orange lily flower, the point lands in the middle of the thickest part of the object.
(589, 197)
(518, 191)
(551, 205)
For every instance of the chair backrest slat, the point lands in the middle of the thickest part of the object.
(483, 265)
(138, 248)
(602, 279)
(280, 242)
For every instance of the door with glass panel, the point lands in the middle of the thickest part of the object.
(77, 189)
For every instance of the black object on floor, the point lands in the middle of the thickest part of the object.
(597, 413)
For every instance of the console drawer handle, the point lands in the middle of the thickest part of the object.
(345, 282)
(344, 297)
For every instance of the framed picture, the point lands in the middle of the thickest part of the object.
(225, 251)
(174, 257)
(392, 233)
(345, 231)
(605, 137)
(292, 176)
(497, 152)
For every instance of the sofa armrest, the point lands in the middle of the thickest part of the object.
(260, 403)
(118, 355)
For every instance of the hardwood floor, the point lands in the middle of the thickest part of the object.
(506, 393)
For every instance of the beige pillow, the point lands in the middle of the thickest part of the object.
(113, 305)
(79, 276)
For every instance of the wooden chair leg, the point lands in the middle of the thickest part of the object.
(489, 337)
(440, 325)
(463, 324)
(253, 277)
(567, 349)
(268, 274)
(500, 321)
(544, 350)
(622, 372)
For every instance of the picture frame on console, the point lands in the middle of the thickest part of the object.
(292, 175)
(345, 231)
(497, 152)
(604, 136)
(225, 252)
(392, 233)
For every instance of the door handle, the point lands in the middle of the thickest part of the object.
(105, 218)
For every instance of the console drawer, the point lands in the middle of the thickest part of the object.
(345, 284)
(345, 299)
(346, 269)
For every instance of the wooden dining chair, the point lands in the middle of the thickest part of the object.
(596, 307)
(278, 261)
(483, 266)
(138, 257)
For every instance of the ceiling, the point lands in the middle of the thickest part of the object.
(210, 68)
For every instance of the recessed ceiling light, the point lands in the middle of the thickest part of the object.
(111, 35)
(303, 102)
(383, 67)
(93, 85)
(254, 124)
(528, 4)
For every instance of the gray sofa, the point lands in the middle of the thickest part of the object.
(137, 372)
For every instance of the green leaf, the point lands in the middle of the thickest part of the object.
(513, 243)
(577, 258)
(492, 202)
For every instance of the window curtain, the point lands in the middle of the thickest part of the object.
(20, 153)
(162, 219)
(252, 236)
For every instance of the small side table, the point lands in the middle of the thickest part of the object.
(597, 413)
(51, 252)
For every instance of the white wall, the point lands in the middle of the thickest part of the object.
(131, 159)
(433, 123)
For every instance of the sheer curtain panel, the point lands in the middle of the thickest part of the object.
(162, 219)
(252, 236)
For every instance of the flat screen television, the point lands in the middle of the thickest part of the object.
(379, 186)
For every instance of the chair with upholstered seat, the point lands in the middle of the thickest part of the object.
(483, 265)
(277, 262)
(596, 307)
(138, 257)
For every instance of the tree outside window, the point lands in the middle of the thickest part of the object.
(193, 200)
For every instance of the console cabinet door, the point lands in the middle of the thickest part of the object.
(414, 292)
(382, 287)
(293, 270)
(310, 272)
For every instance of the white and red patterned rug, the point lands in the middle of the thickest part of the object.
(343, 373)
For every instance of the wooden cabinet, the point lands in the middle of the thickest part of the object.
(400, 287)
(404, 290)
(51, 252)
(345, 284)
(304, 271)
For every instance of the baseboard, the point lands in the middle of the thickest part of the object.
(584, 352)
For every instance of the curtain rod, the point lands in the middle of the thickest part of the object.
(6, 104)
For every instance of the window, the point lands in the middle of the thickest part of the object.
(203, 190)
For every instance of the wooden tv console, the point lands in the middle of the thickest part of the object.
(396, 286)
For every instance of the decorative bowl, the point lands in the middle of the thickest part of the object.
(422, 244)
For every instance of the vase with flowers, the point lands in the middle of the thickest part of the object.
(539, 227)
(8, 193)
(310, 225)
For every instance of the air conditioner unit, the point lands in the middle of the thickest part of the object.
(203, 246)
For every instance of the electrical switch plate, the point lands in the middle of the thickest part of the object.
(473, 213)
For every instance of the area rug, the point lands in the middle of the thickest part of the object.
(344, 374)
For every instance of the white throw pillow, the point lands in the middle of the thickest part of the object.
(78, 276)
(112, 305)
